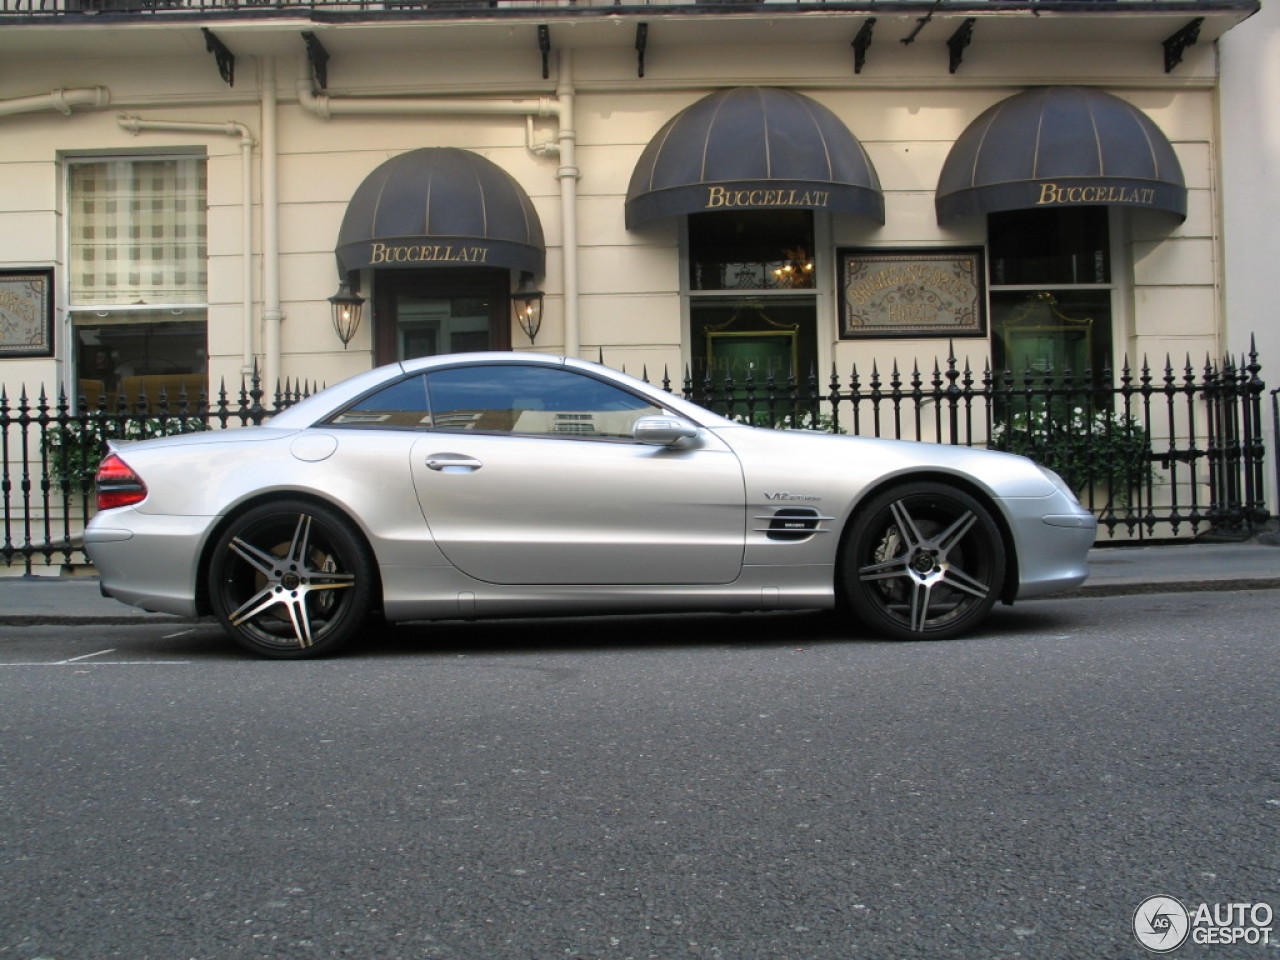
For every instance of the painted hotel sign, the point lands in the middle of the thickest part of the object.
(915, 292)
(26, 313)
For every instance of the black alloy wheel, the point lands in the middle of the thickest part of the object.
(291, 579)
(924, 561)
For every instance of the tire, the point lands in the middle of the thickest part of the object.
(923, 561)
(291, 579)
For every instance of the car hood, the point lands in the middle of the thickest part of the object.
(805, 454)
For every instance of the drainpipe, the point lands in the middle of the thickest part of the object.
(272, 314)
(60, 100)
(325, 107)
(136, 125)
(569, 174)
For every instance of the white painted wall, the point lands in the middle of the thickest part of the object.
(905, 108)
(1250, 119)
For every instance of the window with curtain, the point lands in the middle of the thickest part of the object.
(138, 278)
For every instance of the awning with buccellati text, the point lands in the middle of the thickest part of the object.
(753, 148)
(1060, 147)
(440, 207)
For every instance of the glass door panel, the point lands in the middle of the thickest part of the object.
(430, 326)
(422, 313)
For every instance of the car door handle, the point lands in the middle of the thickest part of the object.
(453, 462)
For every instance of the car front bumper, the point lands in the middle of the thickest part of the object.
(1055, 549)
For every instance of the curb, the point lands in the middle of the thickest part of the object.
(1172, 586)
(71, 620)
(1086, 591)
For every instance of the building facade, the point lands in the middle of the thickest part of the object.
(1251, 200)
(192, 191)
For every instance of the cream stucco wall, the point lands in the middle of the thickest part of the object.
(905, 108)
(1251, 202)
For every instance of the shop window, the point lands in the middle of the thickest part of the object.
(751, 307)
(1051, 292)
(751, 250)
(757, 338)
(137, 269)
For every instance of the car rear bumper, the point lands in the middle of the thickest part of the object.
(147, 561)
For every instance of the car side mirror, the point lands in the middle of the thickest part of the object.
(663, 430)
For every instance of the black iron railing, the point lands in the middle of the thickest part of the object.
(50, 448)
(1163, 453)
(1155, 453)
(1275, 434)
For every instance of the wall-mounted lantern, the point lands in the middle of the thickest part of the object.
(526, 305)
(348, 310)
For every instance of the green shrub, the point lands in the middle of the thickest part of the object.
(73, 450)
(1111, 450)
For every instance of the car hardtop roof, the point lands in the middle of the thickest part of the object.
(311, 410)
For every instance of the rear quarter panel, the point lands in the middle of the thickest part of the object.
(366, 476)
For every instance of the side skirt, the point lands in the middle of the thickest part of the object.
(441, 593)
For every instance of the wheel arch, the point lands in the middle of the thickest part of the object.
(1008, 589)
(203, 606)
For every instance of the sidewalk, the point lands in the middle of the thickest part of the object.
(1184, 567)
(1113, 571)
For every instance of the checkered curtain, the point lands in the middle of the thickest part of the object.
(137, 231)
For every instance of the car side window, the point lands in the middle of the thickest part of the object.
(402, 404)
(533, 401)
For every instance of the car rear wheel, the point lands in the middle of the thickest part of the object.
(291, 579)
(923, 561)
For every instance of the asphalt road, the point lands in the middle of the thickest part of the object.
(699, 788)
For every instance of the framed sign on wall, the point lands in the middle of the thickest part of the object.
(912, 292)
(26, 313)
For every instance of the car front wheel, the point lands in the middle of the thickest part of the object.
(923, 561)
(291, 579)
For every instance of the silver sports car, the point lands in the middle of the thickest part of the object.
(500, 485)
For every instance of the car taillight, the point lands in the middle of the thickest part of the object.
(118, 485)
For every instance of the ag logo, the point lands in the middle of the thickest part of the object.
(1161, 924)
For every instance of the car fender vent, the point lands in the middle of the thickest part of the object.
(792, 524)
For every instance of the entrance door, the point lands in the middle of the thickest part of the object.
(421, 313)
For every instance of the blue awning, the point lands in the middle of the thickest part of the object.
(1059, 147)
(440, 207)
(753, 148)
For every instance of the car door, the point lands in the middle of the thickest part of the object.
(530, 475)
